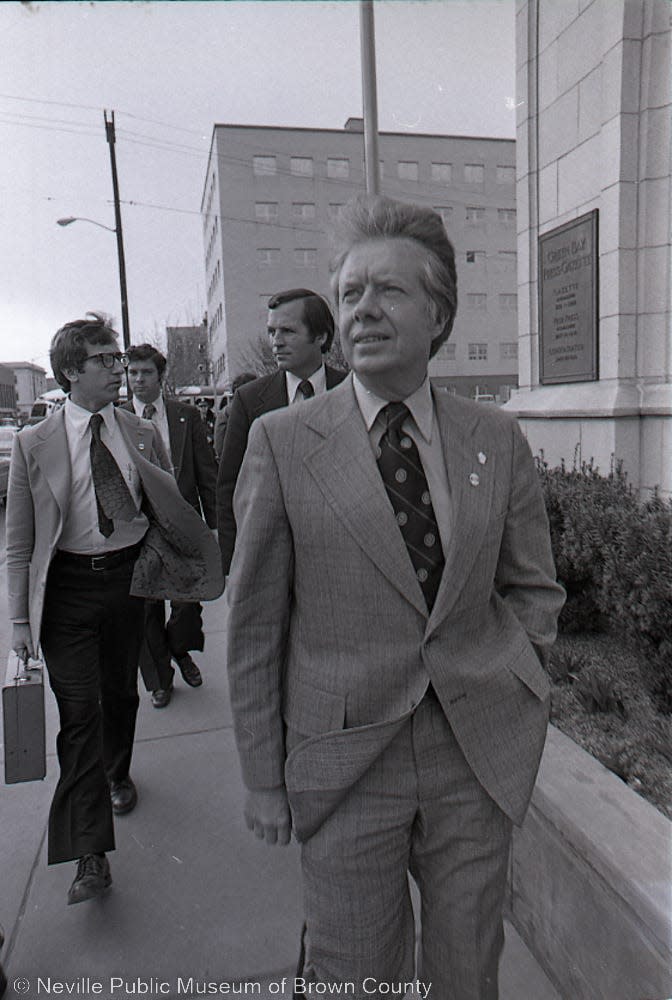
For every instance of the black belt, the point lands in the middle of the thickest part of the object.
(105, 560)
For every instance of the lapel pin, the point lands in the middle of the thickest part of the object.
(473, 479)
(482, 458)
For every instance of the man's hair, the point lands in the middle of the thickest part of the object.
(147, 352)
(316, 312)
(68, 345)
(380, 218)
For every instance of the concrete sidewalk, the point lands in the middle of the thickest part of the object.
(196, 899)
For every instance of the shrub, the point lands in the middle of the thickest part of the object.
(613, 554)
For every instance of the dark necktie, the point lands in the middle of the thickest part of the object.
(149, 411)
(404, 478)
(306, 389)
(113, 497)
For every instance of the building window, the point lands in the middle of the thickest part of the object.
(475, 256)
(506, 175)
(474, 173)
(508, 303)
(267, 256)
(446, 352)
(507, 258)
(335, 209)
(266, 211)
(263, 166)
(407, 170)
(445, 211)
(478, 352)
(507, 216)
(301, 166)
(475, 213)
(508, 351)
(337, 168)
(303, 210)
(477, 300)
(442, 173)
(305, 258)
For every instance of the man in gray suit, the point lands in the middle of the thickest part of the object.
(391, 603)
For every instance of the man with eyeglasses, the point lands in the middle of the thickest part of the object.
(88, 487)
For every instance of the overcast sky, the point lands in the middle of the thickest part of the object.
(170, 70)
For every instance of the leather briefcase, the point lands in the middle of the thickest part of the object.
(23, 721)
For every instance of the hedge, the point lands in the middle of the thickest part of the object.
(613, 554)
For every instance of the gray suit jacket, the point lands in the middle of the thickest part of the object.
(329, 639)
(179, 557)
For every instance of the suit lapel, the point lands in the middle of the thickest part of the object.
(50, 452)
(177, 432)
(345, 471)
(272, 395)
(138, 435)
(471, 480)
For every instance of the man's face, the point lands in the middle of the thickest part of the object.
(384, 320)
(143, 377)
(291, 341)
(96, 386)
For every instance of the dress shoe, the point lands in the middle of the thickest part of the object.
(189, 671)
(124, 796)
(92, 878)
(161, 697)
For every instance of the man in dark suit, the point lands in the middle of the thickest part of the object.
(301, 330)
(391, 602)
(183, 433)
(95, 524)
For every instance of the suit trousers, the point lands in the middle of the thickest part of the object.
(91, 635)
(418, 809)
(163, 641)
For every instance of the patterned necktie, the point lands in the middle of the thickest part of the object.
(306, 389)
(113, 497)
(404, 478)
(149, 411)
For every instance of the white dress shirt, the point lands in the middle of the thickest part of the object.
(80, 530)
(422, 426)
(160, 418)
(318, 380)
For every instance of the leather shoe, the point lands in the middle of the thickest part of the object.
(92, 879)
(124, 796)
(161, 697)
(190, 672)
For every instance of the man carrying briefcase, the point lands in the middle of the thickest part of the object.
(94, 526)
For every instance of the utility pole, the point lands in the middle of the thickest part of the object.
(369, 97)
(109, 132)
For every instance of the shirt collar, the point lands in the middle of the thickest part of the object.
(318, 380)
(157, 403)
(78, 418)
(419, 404)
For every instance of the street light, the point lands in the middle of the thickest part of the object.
(67, 221)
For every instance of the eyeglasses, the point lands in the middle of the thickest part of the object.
(109, 359)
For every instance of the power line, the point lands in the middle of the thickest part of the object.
(90, 107)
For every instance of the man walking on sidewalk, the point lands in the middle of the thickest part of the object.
(193, 465)
(391, 600)
(300, 328)
(95, 525)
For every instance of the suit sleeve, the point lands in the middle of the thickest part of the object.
(20, 529)
(205, 470)
(258, 597)
(233, 452)
(525, 575)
